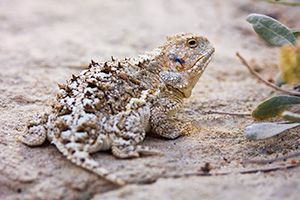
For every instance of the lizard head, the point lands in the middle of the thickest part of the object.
(184, 59)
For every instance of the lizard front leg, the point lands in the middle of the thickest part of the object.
(131, 132)
(160, 121)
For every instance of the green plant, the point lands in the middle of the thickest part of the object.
(285, 106)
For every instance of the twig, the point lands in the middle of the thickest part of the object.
(265, 161)
(252, 171)
(227, 113)
(283, 2)
(244, 62)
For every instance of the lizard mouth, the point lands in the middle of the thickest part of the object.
(201, 63)
(195, 72)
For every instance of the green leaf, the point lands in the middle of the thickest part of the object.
(293, 117)
(271, 30)
(296, 34)
(274, 106)
(266, 130)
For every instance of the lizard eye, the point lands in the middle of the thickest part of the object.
(192, 43)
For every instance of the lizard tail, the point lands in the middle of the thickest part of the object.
(84, 160)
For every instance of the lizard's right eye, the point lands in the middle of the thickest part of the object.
(192, 43)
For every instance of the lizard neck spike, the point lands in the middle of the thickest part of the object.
(61, 86)
(74, 77)
(92, 63)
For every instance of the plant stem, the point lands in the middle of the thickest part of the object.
(283, 2)
(227, 113)
(251, 171)
(244, 62)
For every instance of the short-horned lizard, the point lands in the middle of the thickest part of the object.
(112, 105)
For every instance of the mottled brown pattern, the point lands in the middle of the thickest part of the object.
(113, 105)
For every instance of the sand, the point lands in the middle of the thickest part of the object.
(44, 42)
